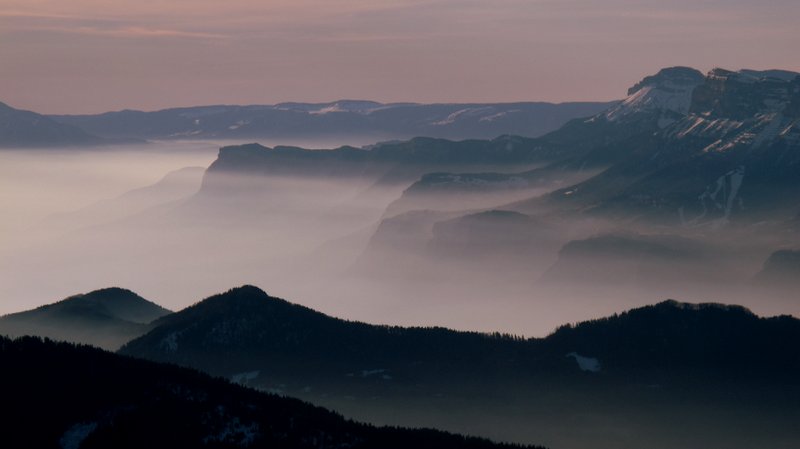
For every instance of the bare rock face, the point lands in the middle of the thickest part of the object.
(743, 94)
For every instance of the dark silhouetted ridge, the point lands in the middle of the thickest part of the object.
(77, 396)
(245, 329)
(698, 339)
(655, 367)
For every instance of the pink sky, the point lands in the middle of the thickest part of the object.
(83, 56)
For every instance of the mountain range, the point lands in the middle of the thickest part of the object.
(343, 118)
(707, 162)
(529, 215)
(683, 148)
(284, 338)
(628, 204)
(711, 166)
(719, 372)
(674, 151)
(541, 212)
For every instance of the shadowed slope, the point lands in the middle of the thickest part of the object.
(107, 318)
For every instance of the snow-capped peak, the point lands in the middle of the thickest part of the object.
(668, 92)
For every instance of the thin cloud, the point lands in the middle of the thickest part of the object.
(95, 26)
(135, 32)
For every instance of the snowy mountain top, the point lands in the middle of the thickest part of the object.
(678, 91)
(668, 92)
(670, 76)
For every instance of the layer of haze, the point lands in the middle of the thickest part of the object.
(138, 218)
(87, 56)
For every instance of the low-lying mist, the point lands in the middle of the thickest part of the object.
(353, 247)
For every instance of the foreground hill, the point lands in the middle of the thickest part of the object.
(234, 330)
(60, 395)
(106, 318)
(720, 372)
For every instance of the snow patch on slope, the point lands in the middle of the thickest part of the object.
(327, 110)
(674, 98)
(74, 436)
(467, 112)
(243, 378)
(233, 431)
(719, 197)
(457, 179)
(170, 342)
(589, 364)
(239, 124)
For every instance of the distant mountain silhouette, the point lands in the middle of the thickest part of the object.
(687, 358)
(390, 162)
(25, 129)
(629, 258)
(470, 191)
(106, 318)
(60, 395)
(344, 118)
(174, 186)
(480, 238)
(782, 268)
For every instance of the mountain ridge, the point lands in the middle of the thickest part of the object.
(337, 118)
(249, 302)
(654, 367)
(26, 129)
(107, 317)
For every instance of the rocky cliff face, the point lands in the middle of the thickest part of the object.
(744, 94)
(726, 149)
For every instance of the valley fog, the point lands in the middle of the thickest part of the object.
(358, 245)
(35, 184)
